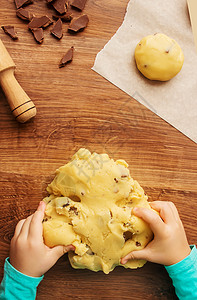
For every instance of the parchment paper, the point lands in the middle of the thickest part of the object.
(176, 100)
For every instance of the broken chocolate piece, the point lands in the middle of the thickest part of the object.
(66, 58)
(78, 23)
(20, 3)
(60, 6)
(57, 29)
(80, 4)
(43, 22)
(24, 14)
(38, 34)
(10, 31)
(67, 17)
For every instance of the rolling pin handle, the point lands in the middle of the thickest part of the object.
(21, 105)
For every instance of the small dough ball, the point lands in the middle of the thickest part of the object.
(158, 57)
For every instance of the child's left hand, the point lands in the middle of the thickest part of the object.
(28, 253)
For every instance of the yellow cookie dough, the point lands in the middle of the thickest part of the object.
(90, 206)
(158, 57)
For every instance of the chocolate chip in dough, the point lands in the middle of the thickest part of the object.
(138, 244)
(127, 235)
(74, 209)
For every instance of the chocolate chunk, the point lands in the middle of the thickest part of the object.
(127, 235)
(78, 23)
(74, 209)
(44, 220)
(65, 205)
(20, 3)
(43, 21)
(60, 6)
(24, 14)
(67, 17)
(57, 29)
(38, 34)
(138, 244)
(66, 58)
(80, 4)
(10, 31)
(116, 180)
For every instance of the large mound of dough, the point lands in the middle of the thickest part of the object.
(158, 57)
(90, 206)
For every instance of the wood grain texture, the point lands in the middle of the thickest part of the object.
(78, 108)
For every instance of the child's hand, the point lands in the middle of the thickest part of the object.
(170, 244)
(28, 253)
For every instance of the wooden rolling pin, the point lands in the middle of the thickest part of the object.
(21, 105)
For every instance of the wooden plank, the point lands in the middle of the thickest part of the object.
(78, 108)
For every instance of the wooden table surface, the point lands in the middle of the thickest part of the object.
(78, 108)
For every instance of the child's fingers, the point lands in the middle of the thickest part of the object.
(175, 212)
(36, 229)
(58, 251)
(150, 217)
(25, 227)
(165, 210)
(18, 228)
(69, 248)
(140, 254)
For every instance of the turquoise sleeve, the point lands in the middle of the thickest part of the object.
(17, 286)
(184, 276)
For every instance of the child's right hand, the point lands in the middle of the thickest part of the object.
(28, 253)
(170, 244)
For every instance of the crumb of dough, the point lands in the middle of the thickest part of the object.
(90, 206)
(158, 57)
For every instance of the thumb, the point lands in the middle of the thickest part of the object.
(58, 251)
(140, 254)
